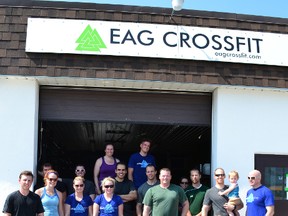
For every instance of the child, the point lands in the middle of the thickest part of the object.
(232, 192)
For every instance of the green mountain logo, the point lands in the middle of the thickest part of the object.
(90, 40)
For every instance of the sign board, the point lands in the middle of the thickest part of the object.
(155, 41)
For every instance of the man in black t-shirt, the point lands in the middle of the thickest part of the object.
(23, 202)
(125, 189)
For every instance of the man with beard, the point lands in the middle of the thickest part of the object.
(195, 193)
(151, 182)
(212, 199)
(125, 189)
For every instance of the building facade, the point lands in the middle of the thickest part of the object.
(239, 105)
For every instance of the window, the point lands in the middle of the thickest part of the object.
(276, 180)
(274, 169)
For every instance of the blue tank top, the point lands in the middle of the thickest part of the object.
(50, 203)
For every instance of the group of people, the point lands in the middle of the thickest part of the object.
(120, 190)
(222, 199)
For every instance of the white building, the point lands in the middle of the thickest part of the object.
(206, 87)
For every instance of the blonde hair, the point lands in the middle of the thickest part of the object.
(107, 179)
(79, 178)
(234, 173)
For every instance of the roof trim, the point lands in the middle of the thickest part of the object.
(142, 10)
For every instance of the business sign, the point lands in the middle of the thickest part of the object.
(155, 41)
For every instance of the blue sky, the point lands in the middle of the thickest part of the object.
(276, 8)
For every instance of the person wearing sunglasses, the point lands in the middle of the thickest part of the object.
(259, 199)
(60, 186)
(213, 200)
(184, 182)
(232, 192)
(108, 203)
(78, 203)
(51, 198)
(89, 188)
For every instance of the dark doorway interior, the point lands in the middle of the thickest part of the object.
(179, 147)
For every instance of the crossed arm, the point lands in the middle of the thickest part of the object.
(129, 197)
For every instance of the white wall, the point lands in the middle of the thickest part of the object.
(18, 131)
(245, 122)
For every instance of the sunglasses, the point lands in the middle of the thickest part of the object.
(81, 185)
(52, 179)
(108, 186)
(183, 182)
(251, 178)
(219, 175)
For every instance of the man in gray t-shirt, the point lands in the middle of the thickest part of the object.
(151, 181)
(212, 198)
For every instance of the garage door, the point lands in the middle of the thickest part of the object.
(124, 106)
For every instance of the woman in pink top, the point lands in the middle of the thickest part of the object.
(105, 167)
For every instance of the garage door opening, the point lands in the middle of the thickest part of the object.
(75, 125)
(179, 147)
